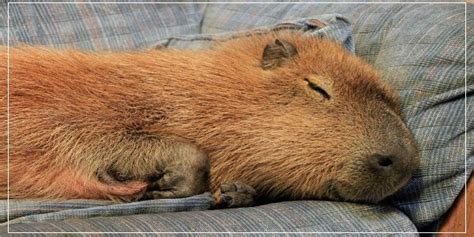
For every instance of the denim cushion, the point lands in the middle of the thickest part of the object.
(98, 26)
(296, 216)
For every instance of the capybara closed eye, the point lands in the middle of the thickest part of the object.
(292, 116)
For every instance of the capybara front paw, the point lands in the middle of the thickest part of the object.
(236, 194)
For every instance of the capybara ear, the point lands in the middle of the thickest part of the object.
(276, 53)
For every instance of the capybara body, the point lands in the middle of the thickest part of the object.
(295, 117)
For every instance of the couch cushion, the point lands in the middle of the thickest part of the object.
(419, 49)
(26, 211)
(296, 216)
(330, 26)
(99, 26)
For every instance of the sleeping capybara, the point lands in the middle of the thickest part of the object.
(294, 117)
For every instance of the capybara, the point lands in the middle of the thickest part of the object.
(292, 116)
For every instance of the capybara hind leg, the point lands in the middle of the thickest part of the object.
(178, 169)
(187, 174)
(174, 184)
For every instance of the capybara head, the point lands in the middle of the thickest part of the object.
(333, 129)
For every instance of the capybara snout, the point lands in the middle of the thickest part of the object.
(289, 115)
(388, 162)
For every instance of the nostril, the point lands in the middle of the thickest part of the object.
(383, 162)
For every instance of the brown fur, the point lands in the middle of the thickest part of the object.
(72, 112)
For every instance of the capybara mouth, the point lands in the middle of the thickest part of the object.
(352, 194)
(373, 192)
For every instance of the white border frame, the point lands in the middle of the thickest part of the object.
(263, 2)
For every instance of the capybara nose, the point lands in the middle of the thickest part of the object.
(383, 163)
